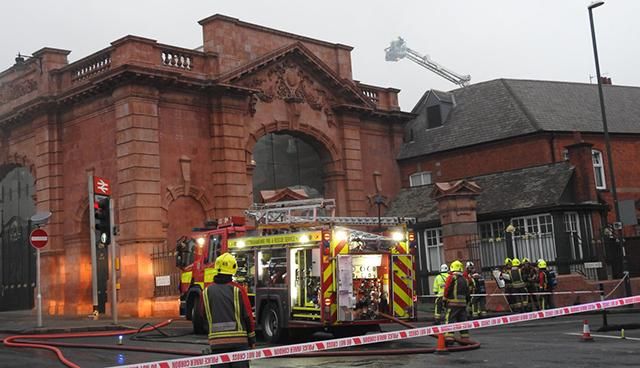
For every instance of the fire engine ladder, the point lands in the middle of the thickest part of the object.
(310, 210)
(370, 221)
(284, 212)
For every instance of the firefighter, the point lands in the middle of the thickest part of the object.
(438, 290)
(229, 314)
(478, 302)
(544, 300)
(456, 295)
(530, 276)
(469, 268)
(517, 287)
(505, 277)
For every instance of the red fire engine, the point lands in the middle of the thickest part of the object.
(305, 271)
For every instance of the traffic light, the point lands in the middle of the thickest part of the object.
(103, 220)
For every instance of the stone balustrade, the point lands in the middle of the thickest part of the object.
(92, 66)
(176, 59)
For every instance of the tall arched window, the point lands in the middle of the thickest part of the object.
(598, 169)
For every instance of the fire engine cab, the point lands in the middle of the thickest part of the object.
(304, 270)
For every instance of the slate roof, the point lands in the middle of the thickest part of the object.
(528, 188)
(505, 108)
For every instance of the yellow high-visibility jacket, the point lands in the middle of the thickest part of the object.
(438, 283)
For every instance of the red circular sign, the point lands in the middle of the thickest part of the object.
(39, 238)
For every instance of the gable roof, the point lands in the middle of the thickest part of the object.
(505, 108)
(532, 188)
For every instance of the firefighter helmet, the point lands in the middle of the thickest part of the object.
(226, 264)
(515, 262)
(456, 266)
(469, 264)
(542, 264)
(525, 260)
(444, 268)
(507, 261)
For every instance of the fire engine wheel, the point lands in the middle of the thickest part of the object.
(270, 324)
(197, 317)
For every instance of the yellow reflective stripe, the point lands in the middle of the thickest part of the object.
(185, 278)
(228, 334)
(310, 237)
(236, 304)
(207, 309)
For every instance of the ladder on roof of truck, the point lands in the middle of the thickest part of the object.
(313, 211)
(283, 212)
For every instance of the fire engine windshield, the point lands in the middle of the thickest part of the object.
(184, 251)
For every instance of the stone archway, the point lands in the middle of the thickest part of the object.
(312, 142)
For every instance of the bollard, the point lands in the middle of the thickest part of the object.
(604, 310)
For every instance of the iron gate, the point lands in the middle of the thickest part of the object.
(17, 257)
(166, 274)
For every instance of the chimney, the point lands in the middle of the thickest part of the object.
(580, 157)
(605, 80)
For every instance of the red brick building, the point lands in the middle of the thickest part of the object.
(533, 154)
(175, 130)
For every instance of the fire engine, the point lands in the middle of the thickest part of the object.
(306, 269)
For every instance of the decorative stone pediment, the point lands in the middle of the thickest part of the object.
(456, 188)
(284, 194)
(294, 75)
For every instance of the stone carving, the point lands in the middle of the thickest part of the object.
(288, 82)
(12, 90)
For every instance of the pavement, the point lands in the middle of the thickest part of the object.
(25, 322)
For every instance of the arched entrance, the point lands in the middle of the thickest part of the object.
(289, 160)
(17, 257)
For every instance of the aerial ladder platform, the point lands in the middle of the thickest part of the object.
(399, 50)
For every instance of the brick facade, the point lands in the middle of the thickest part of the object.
(532, 150)
(174, 129)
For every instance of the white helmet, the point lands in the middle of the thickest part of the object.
(469, 264)
(444, 268)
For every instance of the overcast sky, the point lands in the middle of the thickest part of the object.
(534, 39)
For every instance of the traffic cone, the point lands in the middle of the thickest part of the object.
(442, 346)
(586, 332)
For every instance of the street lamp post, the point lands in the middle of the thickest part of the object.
(614, 194)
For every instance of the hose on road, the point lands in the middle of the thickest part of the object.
(36, 341)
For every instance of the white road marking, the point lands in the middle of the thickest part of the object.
(605, 336)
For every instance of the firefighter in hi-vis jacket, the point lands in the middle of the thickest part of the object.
(456, 296)
(229, 314)
(438, 290)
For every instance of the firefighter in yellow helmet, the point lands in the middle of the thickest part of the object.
(229, 315)
(438, 290)
(456, 295)
(517, 287)
(544, 286)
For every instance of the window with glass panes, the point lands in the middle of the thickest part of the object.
(433, 245)
(493, 247)
(534, 238)
(598, 169)
(421, 178)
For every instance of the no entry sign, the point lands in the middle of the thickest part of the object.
(39, 238)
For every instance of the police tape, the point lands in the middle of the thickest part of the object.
(532, 293)
(279, 351)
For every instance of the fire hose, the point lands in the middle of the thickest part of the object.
(36, 341)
